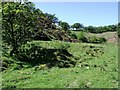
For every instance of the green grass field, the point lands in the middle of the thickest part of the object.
(39, 50)
(97, 67)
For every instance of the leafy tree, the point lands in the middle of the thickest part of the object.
(114, 27)
(17, 24)
(101, 29)
(51, 20)
(98, 29)
(64, 25)
(77, 26)
(90, 29)
(48, 21)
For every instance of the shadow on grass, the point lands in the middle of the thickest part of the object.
(51, 57)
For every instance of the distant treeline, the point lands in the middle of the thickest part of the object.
(92, 29)
(100, 29)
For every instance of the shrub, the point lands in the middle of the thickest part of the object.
(73, 35)
(102, 40)
(81, 37)
(94, 39)
(34, 54)
(5, 58)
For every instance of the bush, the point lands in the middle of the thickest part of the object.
(34, 54)
(94, 39)
(102, 40)
(82, 37)
(5, 58)
(73, 35)
(8, 62)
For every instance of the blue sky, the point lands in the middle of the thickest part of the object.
(87, 13)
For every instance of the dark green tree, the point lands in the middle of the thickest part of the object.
(77, 26)
(17, 24)
(51, 20)
(65, 26)
(90, 29)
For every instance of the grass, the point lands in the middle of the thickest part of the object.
(109, 36)
(95, 69)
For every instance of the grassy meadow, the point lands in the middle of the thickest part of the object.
(97, 67)
(39, 50)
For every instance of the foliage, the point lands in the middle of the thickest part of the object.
(81, 37)
(73, 35)
(52, 18)
(65, 26)
(77, 26)
(9, 62)
(23, 22)
(94, 39)
(90, 29)
(17, 24)
(102, 40)
(5, 58)
(34, 53)
(101, 29)
(48, 21)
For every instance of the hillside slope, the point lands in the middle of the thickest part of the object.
(109, 36)
(95, 69)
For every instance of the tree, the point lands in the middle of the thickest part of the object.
(17, 24)
(99, 29)
(90, 29)
(51, 20)
(64, 25)
(114, 27)
(77, 26)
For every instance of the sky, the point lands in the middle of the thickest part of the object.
(86, 13)
(119, 12)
